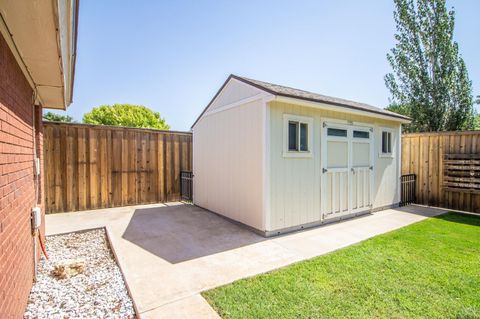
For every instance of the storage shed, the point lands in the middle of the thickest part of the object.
(279, 159)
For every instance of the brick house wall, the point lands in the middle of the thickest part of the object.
(17, 184)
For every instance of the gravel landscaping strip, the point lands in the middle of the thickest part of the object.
(96, 290)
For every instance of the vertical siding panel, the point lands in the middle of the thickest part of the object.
(446, 150)
(117, 137)
(467, 142)
(102, 151)
(69, 160)
(459, 148)
(153, 168)
(440, 192)
(161, 167)
(49, 169)
(450, 151)
(416, 165)
(109, 167)
(143, 167)
(82, 170)
(169, 166)
(431, 170)
(58, 169)
(131, 167)
(176, 169)
(125, 166)
(166, 156)
(92, 139)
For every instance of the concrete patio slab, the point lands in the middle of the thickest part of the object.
(170, 253)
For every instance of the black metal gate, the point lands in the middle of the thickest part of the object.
(186, 185)
(408, 191)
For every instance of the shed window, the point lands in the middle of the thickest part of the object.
(298, 136)
(361, 134)
(336, 132)
(386, 142)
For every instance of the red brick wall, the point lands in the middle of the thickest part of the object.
(17, 191)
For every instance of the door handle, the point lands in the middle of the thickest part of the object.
(353, 170)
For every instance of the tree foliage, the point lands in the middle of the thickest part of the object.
(125, 115)
(476, 125)
(429, 81)
(50, 116)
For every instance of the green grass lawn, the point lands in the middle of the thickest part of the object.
(430, 269)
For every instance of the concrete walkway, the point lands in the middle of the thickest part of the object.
(170, 253)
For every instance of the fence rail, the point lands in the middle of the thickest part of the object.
(447, 166)
(93, 166)
(186, 188)
(408, 190)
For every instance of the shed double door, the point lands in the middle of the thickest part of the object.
(347, 169)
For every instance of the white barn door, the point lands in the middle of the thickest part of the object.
(347, 169)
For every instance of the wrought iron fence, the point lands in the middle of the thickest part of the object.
(186, 185)
(408, 191)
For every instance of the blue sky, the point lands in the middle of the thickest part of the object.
(172, 56)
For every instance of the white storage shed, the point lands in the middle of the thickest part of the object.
(279, 159)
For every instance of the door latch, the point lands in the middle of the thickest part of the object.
(371, 168)
(324, 170)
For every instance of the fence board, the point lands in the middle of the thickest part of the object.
(440, 161)
(93, 166)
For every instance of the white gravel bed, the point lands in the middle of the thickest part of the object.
(98, 292)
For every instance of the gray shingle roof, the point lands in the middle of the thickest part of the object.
(286, 91)
(280, 90)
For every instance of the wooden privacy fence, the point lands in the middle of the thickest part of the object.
(93, 166)
(447, 166)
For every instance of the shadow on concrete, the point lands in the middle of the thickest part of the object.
(183, 232)
(422, 210)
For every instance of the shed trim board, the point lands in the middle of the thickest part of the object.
(259, 96)
(241, 170)
(266, 166)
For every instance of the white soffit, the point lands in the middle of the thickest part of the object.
(43, 35)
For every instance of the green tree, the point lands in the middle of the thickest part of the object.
(429, 81)
(125, 115)
(50, 116)
(476, 125)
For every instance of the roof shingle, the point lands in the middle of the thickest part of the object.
(285, 91)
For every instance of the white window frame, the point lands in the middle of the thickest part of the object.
(301, 120)
(392, 142)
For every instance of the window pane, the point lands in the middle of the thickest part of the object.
(361, 134)
(384, 142)
(293, 136)
(303, 137)
(336, 132)
(389, 142)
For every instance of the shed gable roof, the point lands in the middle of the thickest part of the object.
(285, 91)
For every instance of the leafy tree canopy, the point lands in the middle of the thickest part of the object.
(125, 115)
(50, 116)
(429, 81)
(476, 125)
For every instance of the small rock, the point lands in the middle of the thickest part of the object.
(91, 284)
